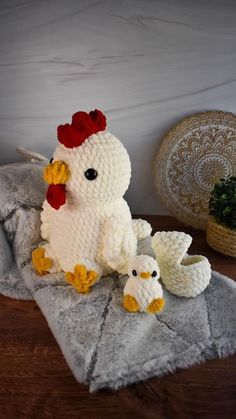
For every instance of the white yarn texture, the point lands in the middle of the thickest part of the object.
(143, 290)
(182, 274)
(94, 227)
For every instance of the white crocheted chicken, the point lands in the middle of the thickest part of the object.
(182, 274)
(85, 220)
(142, 291)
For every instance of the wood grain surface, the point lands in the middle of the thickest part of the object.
(35, 381)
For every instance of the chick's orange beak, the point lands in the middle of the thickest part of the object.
(56, 173)
(145, 275)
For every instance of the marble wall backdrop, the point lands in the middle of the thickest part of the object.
(145, 63)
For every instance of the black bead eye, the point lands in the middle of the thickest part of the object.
(154, 273)
(134, 272)
(51, 160)
(91, 174)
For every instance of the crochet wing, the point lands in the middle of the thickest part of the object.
(45, 218)
(120, 243)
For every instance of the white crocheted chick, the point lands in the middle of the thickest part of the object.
(142, 291)
(85, 220)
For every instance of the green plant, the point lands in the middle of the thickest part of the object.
(222, 204)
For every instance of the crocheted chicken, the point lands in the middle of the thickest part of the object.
(85, 220)
(142, 291)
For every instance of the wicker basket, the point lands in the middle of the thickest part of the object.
(221, 238)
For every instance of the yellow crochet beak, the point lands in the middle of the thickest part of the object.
(145, 275)
(56, 172)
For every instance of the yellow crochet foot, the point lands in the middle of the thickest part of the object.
(41, 263)
(130, 303)
(82, 280)
(156, 305)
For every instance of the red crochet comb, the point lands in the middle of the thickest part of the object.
(83, 125)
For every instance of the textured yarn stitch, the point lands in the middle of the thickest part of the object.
(94, 227)
(145, 291)
(182, 274)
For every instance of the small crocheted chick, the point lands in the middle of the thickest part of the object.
(142, 291)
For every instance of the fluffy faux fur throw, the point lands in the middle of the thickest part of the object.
(104, 345)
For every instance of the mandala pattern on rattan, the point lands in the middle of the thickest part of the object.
(192, 156)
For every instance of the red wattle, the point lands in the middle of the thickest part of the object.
(56, 195)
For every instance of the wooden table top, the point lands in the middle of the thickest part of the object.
(35, 381)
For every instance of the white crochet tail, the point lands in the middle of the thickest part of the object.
(171, 245)
(142, 229)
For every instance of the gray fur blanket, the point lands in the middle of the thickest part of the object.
(103, 344)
